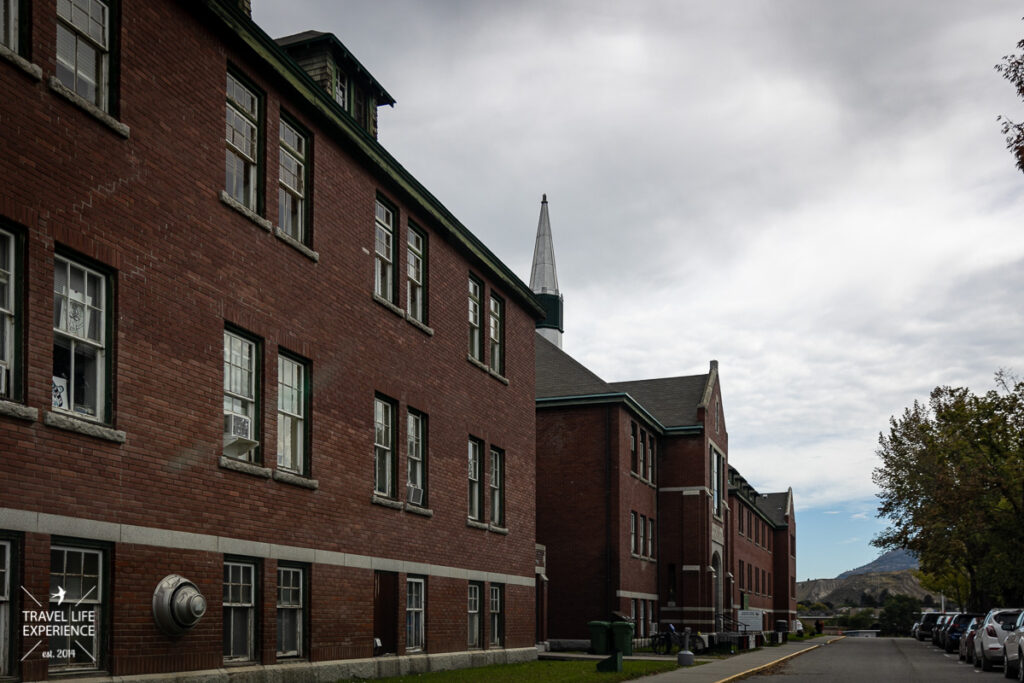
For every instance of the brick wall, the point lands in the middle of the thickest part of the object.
(146, 211)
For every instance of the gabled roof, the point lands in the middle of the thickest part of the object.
(672, 400)
(776, 507)
(341, 55)
(561, 375)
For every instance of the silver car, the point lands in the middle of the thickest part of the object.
(988, 641)
(1012, 648)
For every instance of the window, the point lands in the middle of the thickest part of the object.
(497, 335)
(292, 409)
(416, 432)
(642, 457)
(414, 615)
(9, 29)
(750, 577)
(5, 606)
(240, 410)
(383, 447)
(632, 447)
(242, 137)
(8, 316)
(475, 480)
(757, 581)
(740, 521)
(632, 533)
(79, 343)
(83, 49)
(497, 487)
(741, 575)
(476, 350)
(292, 195)
(650, 458)
(642, 544)
(416, 267)
(716, 481)
(650, 537)
(291, 595)
(384, 277)
(764, 582)
(76, 580)
(768, 584)
(473, 615)
(651, 630)
(341, 89)
(497, 616)
(239, 611)
(642, 621)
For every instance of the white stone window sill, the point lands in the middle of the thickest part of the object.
(246, 211)
(33, 70)
(12, 409)
(296, 479)
(80, 426)
(244, 467)
(89, 108)
(296, 245)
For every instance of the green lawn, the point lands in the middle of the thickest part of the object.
(541, 671)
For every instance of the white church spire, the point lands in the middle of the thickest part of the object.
(544, 279)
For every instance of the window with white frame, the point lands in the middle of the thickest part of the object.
(497, 615)
(641, 622)
(291, 597)
(475, 480)
(9, 24)
(414, 614)
(476, 350)
(473, 616)
(497, 335)
(383, 447)
(240, 409)
(716, 481)
(239, 623)
(650, 537)
(7, 315)
(242, 140)
(292, 192)
(341, 89)
(6, 564)
(416, 440)
(642, 544)
(292, 409)
(652, 626)
(384, 253)
(650, 458)
(79, 340)
(83, 49)
(632, 533)
(416, 283)
(497, 487)
(642, 457)
(76, 577)
(632, 447)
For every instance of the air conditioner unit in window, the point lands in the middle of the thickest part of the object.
(237, 441)
(415, 494)
(3, 381)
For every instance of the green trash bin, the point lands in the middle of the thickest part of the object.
(622, 637)
(600, 637)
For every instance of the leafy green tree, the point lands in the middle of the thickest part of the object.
(898, 615)
(860, 619)
(951, 485)
(1012, 69)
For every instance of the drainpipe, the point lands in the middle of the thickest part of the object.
(609, 600)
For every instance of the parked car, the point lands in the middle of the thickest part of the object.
(1012, 648)
(967, 640)
(940, 627)
(913, 629)
(955, 630)
(924, 629)
(988, 641)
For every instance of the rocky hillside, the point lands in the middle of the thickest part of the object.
(848, 591)
(892, 561)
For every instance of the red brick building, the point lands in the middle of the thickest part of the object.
(238, 385)
(637, 506)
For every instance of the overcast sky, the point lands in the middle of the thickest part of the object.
(816, 194)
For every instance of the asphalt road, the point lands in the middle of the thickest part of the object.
(877, 660)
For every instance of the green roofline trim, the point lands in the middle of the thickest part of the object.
(617, 397)
(296, 77)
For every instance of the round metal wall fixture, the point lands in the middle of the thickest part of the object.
(177, 605)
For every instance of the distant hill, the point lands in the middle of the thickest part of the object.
(892, 561)
(848, 591)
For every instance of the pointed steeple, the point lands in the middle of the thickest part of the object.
(544, 278)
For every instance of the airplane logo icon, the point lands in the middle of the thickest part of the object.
(59, 595)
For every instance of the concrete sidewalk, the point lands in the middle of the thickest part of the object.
(718, 670)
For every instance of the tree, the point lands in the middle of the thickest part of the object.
(952, 489)
(898, 615)
(1012, 69)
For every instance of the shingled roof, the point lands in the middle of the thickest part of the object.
(672, 401)
(775, 506)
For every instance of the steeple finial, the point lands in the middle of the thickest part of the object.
(544, 277)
